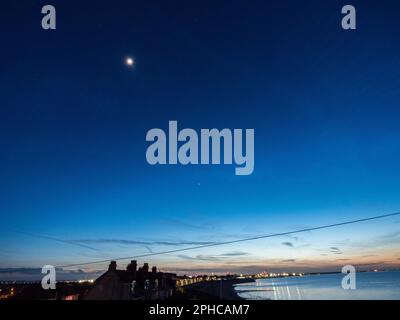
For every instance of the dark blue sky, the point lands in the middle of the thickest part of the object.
(324, 104)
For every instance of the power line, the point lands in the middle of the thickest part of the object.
(238, 240)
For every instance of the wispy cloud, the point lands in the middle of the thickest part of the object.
(37, 270)
(21, 270)
(199, 258)
(184, 224)
(140, 242)
(35, 274)
(288, 244)
(70, 242)
(329, 251)
(335, 250)
(388, 238)
(218, 257)
(234, 254)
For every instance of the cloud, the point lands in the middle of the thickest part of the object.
(35, 274)
(38, 270)
(234, 254)
(21, 270)
(295, 238)
(330, 250)
(200, 258)
(180, 223)
(70, 242)
(288, 260)
(218, 257)
(383, 240)
(86, 243)
(288, 244)
(143, 243)
(391, 235)
(335, 250)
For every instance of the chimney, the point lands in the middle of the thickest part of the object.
(112, 266)
(132, 266)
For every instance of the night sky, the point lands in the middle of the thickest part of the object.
(324, 103)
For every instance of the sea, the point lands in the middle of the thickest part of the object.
(369, 286)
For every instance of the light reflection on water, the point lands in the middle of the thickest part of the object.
(370, 286)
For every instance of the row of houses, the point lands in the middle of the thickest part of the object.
(132, 283)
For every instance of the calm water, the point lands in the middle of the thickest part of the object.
(370, 285)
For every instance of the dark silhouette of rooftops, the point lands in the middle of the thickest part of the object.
(132, 283)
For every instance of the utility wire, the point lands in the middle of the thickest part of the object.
(238, 240)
